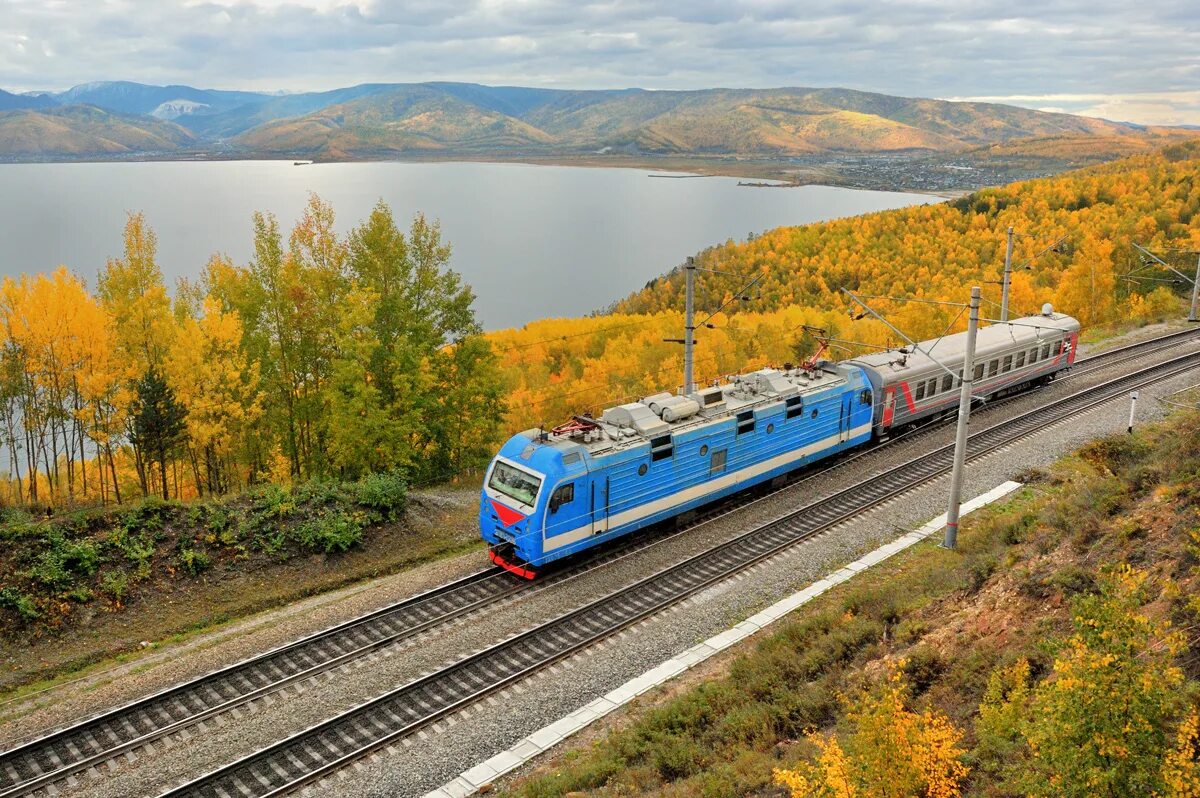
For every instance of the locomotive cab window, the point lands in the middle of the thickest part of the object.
(514, 483)
(563, 494)
(864, 398)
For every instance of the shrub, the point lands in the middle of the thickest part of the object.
(194, 561)
(20, 603)
(115, 584)
(386, 494)
(321, 493)
(62, 560)
(330, 532)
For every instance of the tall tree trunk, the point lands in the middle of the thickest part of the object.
(31, 465)
(140, 464)
(162, 470)
(112, 466)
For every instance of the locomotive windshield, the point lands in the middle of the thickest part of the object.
(514, 483)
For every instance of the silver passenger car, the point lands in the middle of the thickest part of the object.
(1008, 355)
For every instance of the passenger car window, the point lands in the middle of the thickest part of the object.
(993, 367)
(979, 371)
(1020, 359)
(947, 382)
(563, 494)
(920, 394)
(1007, 364)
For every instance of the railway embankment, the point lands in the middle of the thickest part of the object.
(427, 760)
(77, 588)
(1095, 557)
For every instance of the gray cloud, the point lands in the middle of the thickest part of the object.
(1125, 58)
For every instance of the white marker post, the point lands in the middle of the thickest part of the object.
(1133, 397)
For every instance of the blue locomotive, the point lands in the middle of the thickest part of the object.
(551, 494)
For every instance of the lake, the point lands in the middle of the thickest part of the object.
(533, 241)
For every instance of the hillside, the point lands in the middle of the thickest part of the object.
(422, 119)
(557, 367)
(772, 122)
(767, 132)
(1052, 655)
(12, 102)
(82, 130)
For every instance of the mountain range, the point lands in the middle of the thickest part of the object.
(124, 119)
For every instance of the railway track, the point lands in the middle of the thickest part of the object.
(323, 749)
(55, 756)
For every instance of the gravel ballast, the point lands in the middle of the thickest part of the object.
(434, 757)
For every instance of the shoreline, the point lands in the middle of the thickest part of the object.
(787, 174)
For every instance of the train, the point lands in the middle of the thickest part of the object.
(551, 494)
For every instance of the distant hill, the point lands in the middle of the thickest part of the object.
(82, 130)
(769, 122)
(12, 102)
(466, 119)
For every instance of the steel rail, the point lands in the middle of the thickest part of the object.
(320, 750)
(55, 756)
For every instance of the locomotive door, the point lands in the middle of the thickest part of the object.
(599, 506)
(844, 419)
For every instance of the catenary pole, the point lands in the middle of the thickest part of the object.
(964, 412)
(689, 322)
(1195, 292)
(1007, 279)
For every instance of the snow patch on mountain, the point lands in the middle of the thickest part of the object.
(173, 109)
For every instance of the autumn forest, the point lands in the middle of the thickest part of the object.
(334, 356)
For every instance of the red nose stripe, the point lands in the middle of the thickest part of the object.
(507, 515)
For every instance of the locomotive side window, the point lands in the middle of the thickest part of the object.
(947, 382)
(1007, 367)
(661, 448)
(563, 494)
(717, 464)
(745, 422)
(1020, 359)
(795, 406)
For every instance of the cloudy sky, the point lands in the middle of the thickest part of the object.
(1135, 61)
